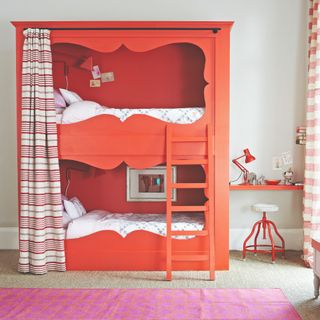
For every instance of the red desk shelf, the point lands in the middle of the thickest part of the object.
(264, 187)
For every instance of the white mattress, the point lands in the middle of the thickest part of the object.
(125, 223)
(74, 114)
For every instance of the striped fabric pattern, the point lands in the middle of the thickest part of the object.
(311, 215)
(41, 236)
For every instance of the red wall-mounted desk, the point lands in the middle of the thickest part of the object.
(264, 187)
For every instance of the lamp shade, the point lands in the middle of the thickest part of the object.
(248, 155)
(87, 63)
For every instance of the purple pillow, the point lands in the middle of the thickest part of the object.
(58, 99)
(63, 197)
(65, 219)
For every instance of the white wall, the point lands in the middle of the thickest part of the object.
(268, 80)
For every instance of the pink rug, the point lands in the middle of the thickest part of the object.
(111, 304)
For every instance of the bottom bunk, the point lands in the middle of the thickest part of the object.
(100, 240)
(112, 244)
(140, 250)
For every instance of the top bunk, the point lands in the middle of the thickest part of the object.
(166, 82)
(133, 80)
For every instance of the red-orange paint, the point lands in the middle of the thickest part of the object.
(105, 142)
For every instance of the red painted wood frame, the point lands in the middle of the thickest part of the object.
(216, 50)
(265, 187)
(315, 243)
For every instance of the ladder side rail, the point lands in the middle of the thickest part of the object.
(168, 201)
(211, 213)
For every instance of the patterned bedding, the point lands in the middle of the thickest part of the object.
(125, 223)
(172, 115)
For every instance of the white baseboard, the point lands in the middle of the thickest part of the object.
(293, 238)
(8, 238)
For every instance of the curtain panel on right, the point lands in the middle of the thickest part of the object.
(311, 214)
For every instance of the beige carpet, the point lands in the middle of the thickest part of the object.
(289, 274)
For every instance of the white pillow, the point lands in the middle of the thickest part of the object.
(65, 219)
(79, 206)
(70, 96)
(80, 111)
(71, 209)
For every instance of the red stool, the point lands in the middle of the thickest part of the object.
(266, 226)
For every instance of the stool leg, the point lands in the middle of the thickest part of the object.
(272, 242)
(255, 239)
(316, 285)
(264, 219)
(244, 251)
(278, 234)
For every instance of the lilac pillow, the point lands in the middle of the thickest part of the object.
(65, 219)
(58, 99)
(60, 110)
(63, 197)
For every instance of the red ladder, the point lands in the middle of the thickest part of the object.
(208, 208)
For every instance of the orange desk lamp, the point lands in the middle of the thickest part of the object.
(248, 158)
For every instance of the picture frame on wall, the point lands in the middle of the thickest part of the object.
(149, 184)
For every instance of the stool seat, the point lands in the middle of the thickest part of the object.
(265, 207)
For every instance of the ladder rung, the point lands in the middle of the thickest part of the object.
(189, 139)
(191, 257)
(200, 233)
(188, 161)
(189, 185)
(188, 208)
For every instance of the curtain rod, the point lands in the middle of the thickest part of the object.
(214, 30)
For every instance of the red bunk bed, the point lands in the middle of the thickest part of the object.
(156, 65)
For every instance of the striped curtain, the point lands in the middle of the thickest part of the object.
(311, 213)
(41, 236)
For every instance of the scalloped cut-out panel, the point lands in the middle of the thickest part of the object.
(106, 189)
(168, 76)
